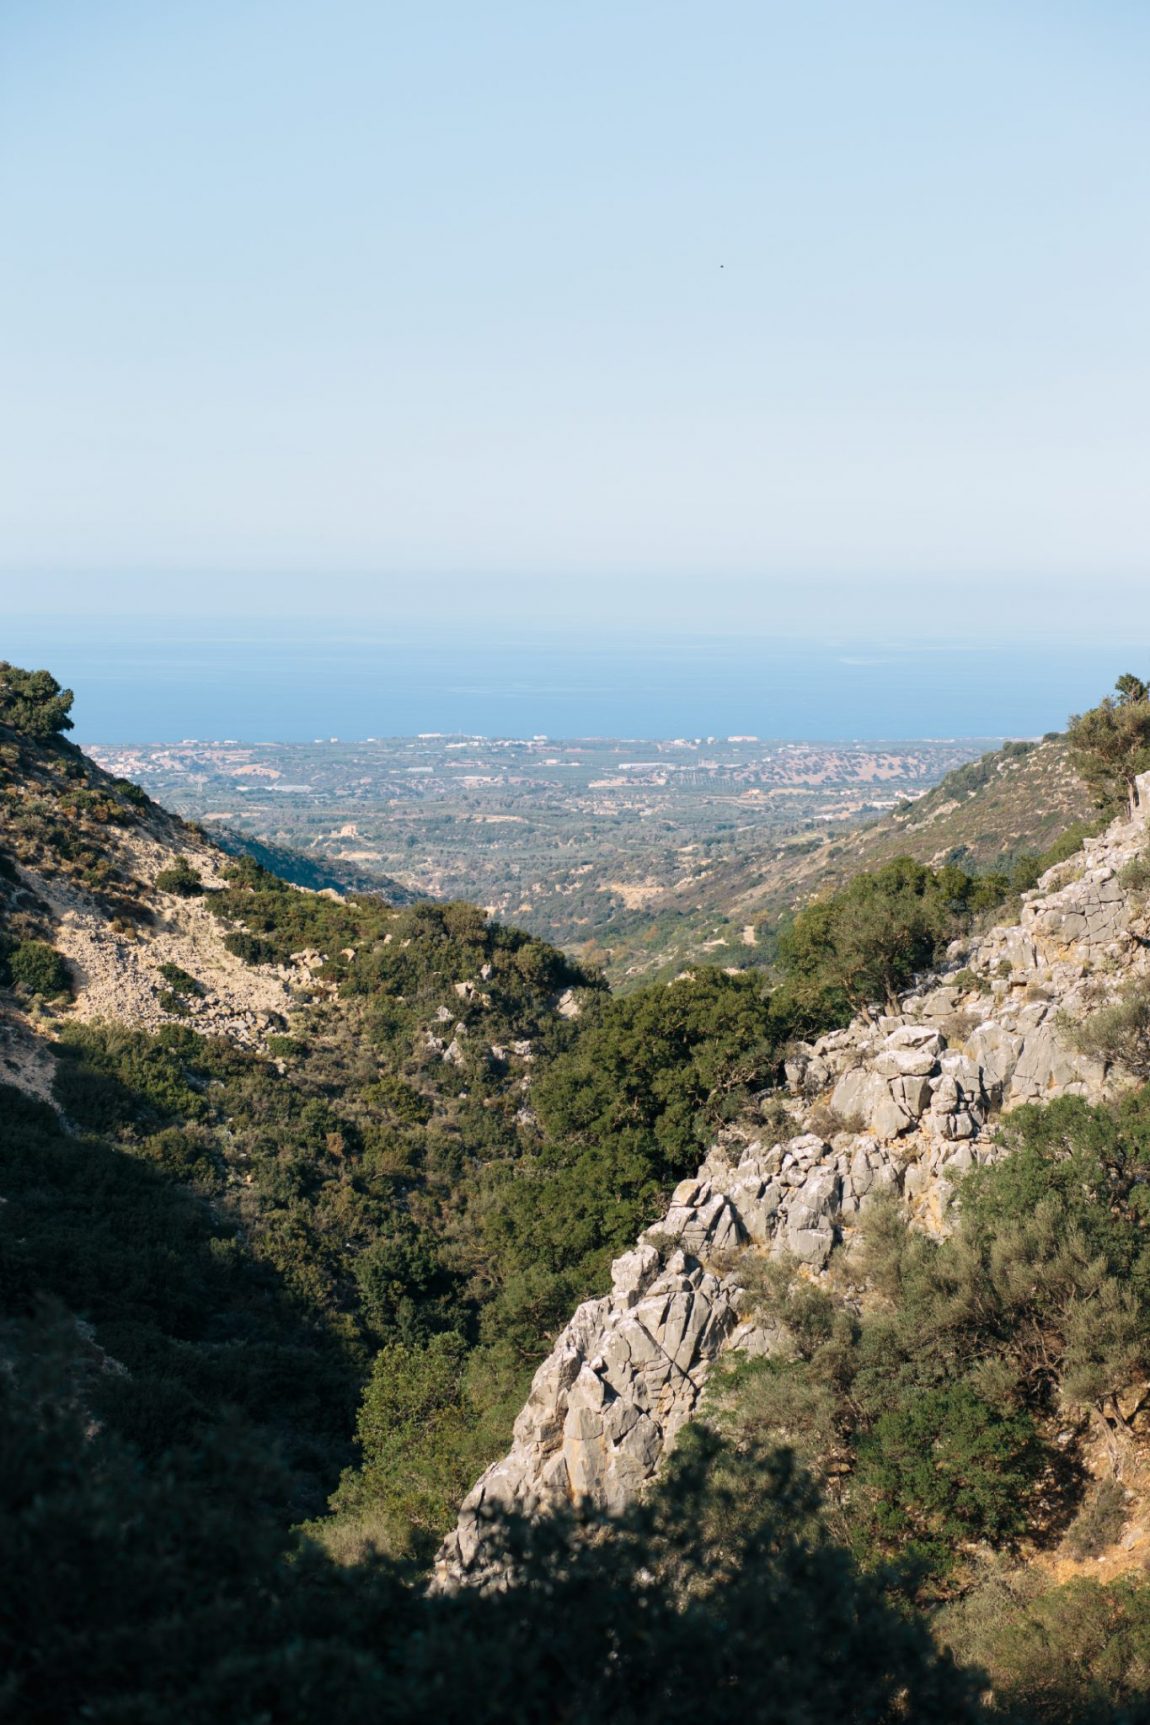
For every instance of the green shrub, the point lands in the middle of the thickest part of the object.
(396, 1097)
(946, 1466)
(251, 948)
(181, 880)
(413, 1431)
(130, 792)
(37, 967)
(866, 943)
(656, 1065)
(285, 1047)
(179, 980)
(1099, 1522)
(1135, 875)
(1119, 1034)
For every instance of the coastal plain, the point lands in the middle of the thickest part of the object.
(601, 845)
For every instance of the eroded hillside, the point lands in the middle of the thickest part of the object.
(91, 863)
(902, 1102)
(1015, 802)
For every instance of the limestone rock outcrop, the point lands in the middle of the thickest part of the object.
(902, 1102)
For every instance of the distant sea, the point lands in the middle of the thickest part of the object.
(297, 683)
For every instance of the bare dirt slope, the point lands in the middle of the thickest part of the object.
(117, 971)
(82, 854)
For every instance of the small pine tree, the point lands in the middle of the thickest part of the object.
(1110, 744)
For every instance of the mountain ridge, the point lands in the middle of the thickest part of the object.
(1014, 801)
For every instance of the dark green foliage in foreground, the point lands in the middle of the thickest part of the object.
(36, 967)
(205, 1335)
(938, 1414)
(147, 1589)
(404, 1199)
(33, 703)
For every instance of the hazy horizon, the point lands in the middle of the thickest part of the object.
(306, 682)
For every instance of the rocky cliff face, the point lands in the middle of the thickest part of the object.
(903, 1102)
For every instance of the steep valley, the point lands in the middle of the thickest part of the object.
(399, 1322)
(619, 850)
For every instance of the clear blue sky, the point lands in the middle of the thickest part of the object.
(763, 313)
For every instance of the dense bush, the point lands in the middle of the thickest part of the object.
(37, 967)
(251, 948)
(179, 980)
(33, 702)
(415, 1433)
(945, 1465)
(664, 1064)
(864, 944)
(181, 880)
(936, 1413)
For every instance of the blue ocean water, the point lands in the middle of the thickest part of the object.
(297, 683)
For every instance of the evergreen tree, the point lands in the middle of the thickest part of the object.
(1110, 744)
(33, 702)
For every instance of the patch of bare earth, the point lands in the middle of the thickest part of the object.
(26, 1059)
(117, 972)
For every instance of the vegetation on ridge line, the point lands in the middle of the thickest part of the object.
(1110, 744)
(33, 703)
